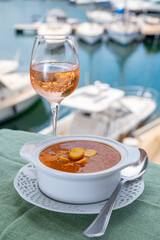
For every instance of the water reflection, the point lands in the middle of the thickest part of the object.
(152, 45)
(90, 50)
(122, 54)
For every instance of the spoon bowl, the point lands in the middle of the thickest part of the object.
(131, 173)
(136, 170)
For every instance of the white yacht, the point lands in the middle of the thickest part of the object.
(123, 32)
(55, 15)
(105, 111)
(16, 95)
(143, 6)
(81, 2)
(150, 27)
(7, 66)
(99, 16)
(90, 32)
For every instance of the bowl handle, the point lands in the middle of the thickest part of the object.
(27, 151)
(134, 155)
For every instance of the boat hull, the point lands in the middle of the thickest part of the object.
(16, 109)
(123, 38)
(90, 39)
(90, 32)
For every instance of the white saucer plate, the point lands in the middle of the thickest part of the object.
(26, 184)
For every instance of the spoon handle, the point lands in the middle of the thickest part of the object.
(99, 225)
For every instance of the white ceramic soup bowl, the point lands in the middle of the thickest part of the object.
(78, 187)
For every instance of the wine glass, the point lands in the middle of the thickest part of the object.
(54, 70)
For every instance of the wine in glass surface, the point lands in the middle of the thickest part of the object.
(54, 70)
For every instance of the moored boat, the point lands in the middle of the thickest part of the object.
(152, 19)
(141, 6)
(101, 17)
(150, 28)
(55, 15)
(16, 95)
(7, 66)
(85, 2)
(89, 32)
(123, 32)
(113, 116)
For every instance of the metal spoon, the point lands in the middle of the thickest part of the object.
(99, 225)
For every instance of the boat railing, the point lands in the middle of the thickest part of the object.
(141, 91)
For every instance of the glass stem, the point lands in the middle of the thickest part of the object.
(54, 110)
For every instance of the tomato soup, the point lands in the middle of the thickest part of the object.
(80, 156)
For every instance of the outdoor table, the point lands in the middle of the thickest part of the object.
(21, 220)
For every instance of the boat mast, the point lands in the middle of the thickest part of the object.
(125, 11)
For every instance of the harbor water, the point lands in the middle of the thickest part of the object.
(137, 64)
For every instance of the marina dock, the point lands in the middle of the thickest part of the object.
(25, 28)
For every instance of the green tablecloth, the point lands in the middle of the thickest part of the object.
(21, 220)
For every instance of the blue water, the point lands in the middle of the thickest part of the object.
(138, 64)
